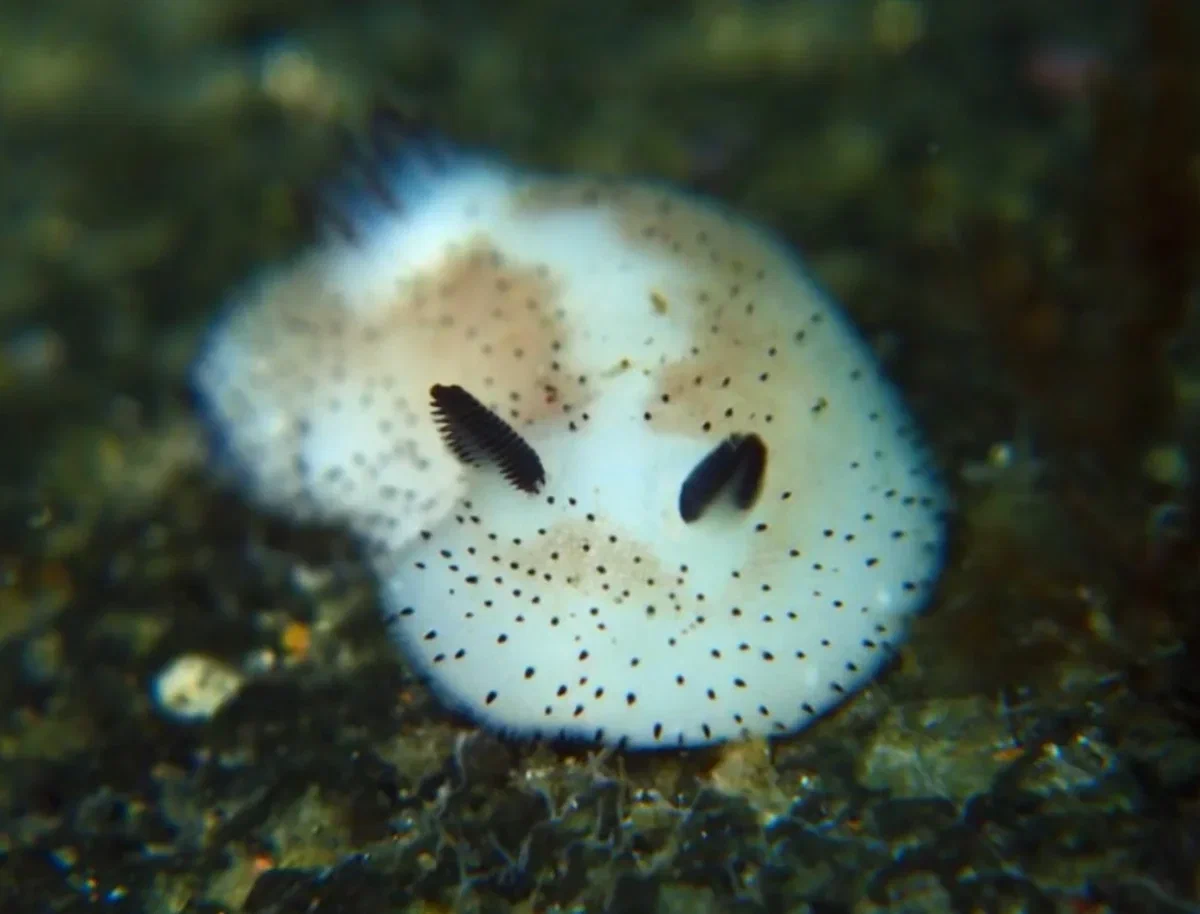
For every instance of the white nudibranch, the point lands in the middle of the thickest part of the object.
(630, 477)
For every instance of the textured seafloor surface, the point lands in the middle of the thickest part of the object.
(1003, 195)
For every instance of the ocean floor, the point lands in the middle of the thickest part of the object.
(202, 711)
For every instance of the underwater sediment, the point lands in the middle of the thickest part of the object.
(207, 711)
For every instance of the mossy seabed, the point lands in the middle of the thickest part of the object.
(1006, 200)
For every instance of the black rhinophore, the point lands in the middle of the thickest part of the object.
(739, 461)
(477, 435)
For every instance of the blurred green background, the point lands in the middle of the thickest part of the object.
(1005, 196)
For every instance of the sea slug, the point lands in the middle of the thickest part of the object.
(628, 475)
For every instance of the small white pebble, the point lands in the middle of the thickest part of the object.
(263, 660)
(193, 687)
(311, 580)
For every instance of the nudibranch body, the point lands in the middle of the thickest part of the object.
(629, 476)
